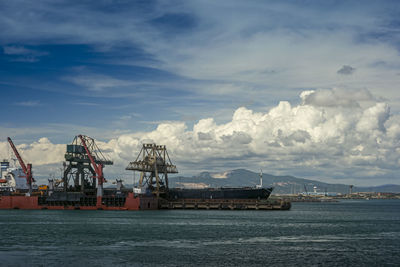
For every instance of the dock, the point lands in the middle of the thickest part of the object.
(225, 204)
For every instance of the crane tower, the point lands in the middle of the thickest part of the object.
(154, 164)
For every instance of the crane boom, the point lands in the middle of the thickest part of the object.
(20, 160)
(305, 189)
(27, 169)
(98, 168)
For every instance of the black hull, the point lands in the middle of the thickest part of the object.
(220, 193)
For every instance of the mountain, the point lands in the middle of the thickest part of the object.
(392, 188)
(281, 184)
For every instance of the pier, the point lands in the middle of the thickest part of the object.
(225, 204)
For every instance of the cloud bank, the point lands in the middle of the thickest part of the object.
(233, 47)
(331, 134)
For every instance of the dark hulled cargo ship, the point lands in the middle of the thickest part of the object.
(220, 193)
(154, 160)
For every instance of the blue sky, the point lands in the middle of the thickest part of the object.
(111, 69)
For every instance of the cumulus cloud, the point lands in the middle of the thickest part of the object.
(353, 138)
(42, 152)
(349, 139)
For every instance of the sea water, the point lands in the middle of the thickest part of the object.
(346, 233)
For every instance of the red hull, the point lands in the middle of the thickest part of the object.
(31, 203)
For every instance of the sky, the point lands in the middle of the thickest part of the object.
(302, 88)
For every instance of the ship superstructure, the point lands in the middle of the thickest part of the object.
(12, 178)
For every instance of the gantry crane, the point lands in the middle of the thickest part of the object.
(154, 160)
(85, 165)
(27, 169)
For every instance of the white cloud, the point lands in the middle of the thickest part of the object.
(338, 97)
(28, 103)
(16, 50)
(98, 83)
(321, 140)
(356, 141)
(23, 54)
(39, 153)
(43, 152)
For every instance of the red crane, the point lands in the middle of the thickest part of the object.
(98, 168)
(27, 169)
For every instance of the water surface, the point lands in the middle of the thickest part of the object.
(347, 233)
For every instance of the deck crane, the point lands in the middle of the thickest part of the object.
(27, 169)
(98, 168)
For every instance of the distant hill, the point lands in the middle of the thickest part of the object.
(282, 184)
(392, 188)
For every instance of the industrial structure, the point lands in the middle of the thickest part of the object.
(81, 185)
(154, 165)
(85, 163)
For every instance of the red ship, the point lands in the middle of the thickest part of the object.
(81, 187)
(130, 202)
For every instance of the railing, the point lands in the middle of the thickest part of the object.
(145, 167)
